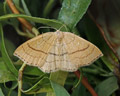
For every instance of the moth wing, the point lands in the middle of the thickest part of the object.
(81, 52)
(34, 51)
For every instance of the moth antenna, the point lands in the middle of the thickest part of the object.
(63, 26)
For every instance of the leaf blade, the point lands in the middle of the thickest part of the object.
(72, 11)
(5, 55)
(107, 87)
(49, 22)
(1, 93)
(59, 90)
(5, 74)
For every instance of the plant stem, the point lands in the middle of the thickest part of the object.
(80, 78)
(20, 78)
(86, 84)
(19, 92)
(24, 22)
(9, 92)
(14, 10)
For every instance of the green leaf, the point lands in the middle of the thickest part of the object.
(107, 87)
(1, 9)
(1, 59)
(108, 63)
(72, 11)
(49, 7)
(5, 55)
(27, 12)
(30, 70)
(59, 77)
(5, 74)
(10, 47)
(16, 2)
(25, 7)
(1, 93)
(50, 22)
(59, 90)
(41, 86)
(80, 90)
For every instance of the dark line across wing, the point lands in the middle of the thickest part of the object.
(57, 54)
(80, 50)
(85, 55)
(35, 49)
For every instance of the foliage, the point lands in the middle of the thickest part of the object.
(103, 75)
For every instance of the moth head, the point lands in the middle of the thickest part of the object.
(60, 35)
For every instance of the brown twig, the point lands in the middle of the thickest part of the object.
(86, 84)
(15, 11)
(105, 38)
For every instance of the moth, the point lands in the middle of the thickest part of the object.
(53, 51)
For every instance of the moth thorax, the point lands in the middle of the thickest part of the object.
(60, 35)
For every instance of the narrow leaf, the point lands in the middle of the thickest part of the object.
(30, 70)
(72, 11)
(5, 74)
(5, 55)
(25, 8)
(59, 90)
(1, 93)
(59, 77)
(1, 9)
(48, 7)
(107, 87)
(50, 22)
